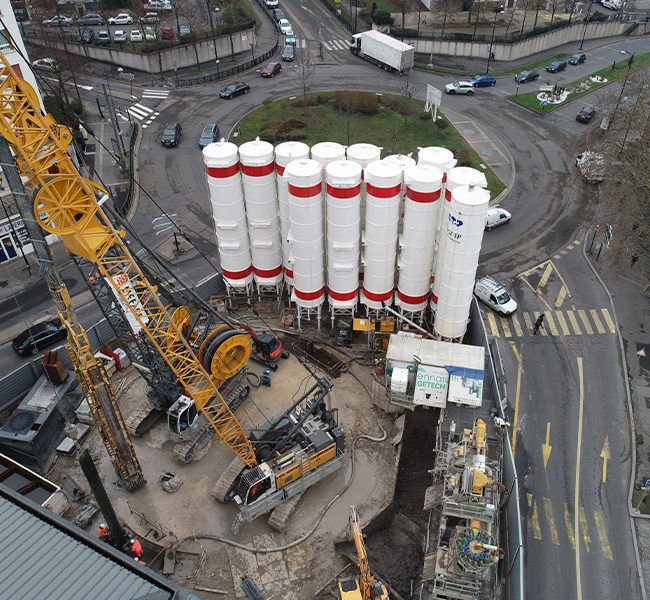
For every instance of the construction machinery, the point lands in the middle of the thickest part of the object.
(364, 586)
(277, 463)
(267, 347)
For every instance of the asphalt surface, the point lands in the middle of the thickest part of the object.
(570, 384)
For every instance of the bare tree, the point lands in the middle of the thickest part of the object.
(446, 8)
(305, 74)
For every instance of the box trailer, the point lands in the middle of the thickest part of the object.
(383, 50)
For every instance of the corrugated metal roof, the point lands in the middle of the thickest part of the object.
(38, 560)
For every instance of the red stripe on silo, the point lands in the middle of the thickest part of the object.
(288, 272)
(305, 192)
(309, 295)
(279, 168)
(434, 298)
(448, 195)
(257, 171)
(412, 299)
(424, 197)
(267, 272)
(342, 296)
(444, 177)
(382, 297)
(381, 192)
(237, 274)
(222, 172)
(344, 193)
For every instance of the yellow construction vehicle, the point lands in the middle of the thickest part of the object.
(301, 447)
(364, 586)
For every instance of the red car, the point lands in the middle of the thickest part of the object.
(167, 32)
(272, 69)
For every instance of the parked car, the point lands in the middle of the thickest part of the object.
(164, 5)
(491, 292)
(285, 26)
(585, 114)
(185, 34)
(171, 135)
(236, 88)
(556, 66)
(290, 40)
(39, 336)
(87, 36)
(271, 3)
(526, 76)
(121, 19)
(288, 53)
(460, 87)
(483, 80)
(209, 135)
(279, 15)
(47, 64)
(119, 36)
(612, 4)
(135, 36)
(103, 38)
(150, 17)
(271, 70)
(167, 32)
(58, 21)
(578, 58)
(150, 34)
(91, 19)
(495, 217)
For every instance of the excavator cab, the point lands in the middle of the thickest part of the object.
(254, 484)
(182, 416)
(268, 346)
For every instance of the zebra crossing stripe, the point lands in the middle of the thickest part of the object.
(602, 535)
(493, 324)
(548, 511)
(585, 528)
(529, 323)
(569, 525)
(574, 322)
(608, 319)
(327, 46)
(596, 319)
(517, 326)
(537, 531)
(563, 324)
(506, 327)
(583, 317)
(551, 323)
(542, 330)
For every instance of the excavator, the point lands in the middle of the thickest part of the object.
(275, 463)
(364, 586)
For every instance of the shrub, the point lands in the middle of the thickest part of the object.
(407, 33)
(382, 17)
(365, 103)
(266, 135)
(285, 128)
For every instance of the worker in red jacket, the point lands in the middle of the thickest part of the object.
(136, 547)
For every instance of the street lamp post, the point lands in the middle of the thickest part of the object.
(584, 31)
(497, 10)
(252, 50)
(627, 73)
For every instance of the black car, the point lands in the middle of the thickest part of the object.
(171, 135)
(87, 36)
(236, 88)
(91, 19)
(185, 34)
(209, 135)
(279, 14)
(526, 76)
(585, 114)
(288, 53)
(578, 58)
(39, 336)
(556, 66)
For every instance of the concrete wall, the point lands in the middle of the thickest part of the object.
(178, 56)
(528, 47)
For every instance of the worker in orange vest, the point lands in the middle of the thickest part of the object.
(136, 547)
(104, 532)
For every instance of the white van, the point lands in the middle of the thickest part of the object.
(495, 217)
(613, 4)
(492, 293)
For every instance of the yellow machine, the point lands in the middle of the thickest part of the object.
(364, 586)
(298, 449)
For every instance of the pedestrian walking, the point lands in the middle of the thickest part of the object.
(635, 257)
(539, 323)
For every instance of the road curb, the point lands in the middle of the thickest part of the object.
(630, 409)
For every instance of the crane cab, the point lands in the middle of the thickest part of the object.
(255, 484)
(182, 416)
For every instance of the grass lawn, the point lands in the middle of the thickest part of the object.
(399, 127)
(530, 101)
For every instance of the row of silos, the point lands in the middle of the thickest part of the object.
(334, 219)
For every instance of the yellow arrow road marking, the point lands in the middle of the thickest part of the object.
(546, 447)
(576, 527)
(602, 535)
(548, 511)
(560, 297)
(569, 525)
(604, 454)
(608, 319)
(596, 319)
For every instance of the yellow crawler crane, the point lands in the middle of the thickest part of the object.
(66, 205)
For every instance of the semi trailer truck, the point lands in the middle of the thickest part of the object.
(383, 50)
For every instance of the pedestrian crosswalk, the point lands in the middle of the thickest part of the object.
(333, 45)
(140, 112)
(157, 93)
(556, 522)
(557, 323)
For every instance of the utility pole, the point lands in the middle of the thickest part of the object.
(627, 74)
(116, 132)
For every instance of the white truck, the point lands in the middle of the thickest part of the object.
(384, 51)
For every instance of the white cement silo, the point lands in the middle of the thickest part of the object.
(423, 199)
(460, 244)
(260, 195)
(228, 211)
(327, 152)
(383, 188)
(404, 162)
(284, 154)
(306, 222)
(343, 235)
(363, 154)
(437, 156)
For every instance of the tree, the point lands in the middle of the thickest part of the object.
(446, 8)
(305, 75)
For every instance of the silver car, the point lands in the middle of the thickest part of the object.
(460, 87)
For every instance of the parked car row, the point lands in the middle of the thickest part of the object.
(148, 34)
(96, 20)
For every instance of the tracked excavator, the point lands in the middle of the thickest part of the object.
(275, 463)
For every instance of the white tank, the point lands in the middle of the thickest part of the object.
(327, 152)
(343, 232)
(227, 203)
(458, 253)
(423, 198)
(436, 156)
(363, 154)
(463, 176)
(258, 179)
(284, 154)
(306, 222)
(383, 188)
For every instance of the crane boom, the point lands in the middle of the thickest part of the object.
(66, 205)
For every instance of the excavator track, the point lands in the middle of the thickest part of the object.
(142, 419)
(224, 484)
(280, 515)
